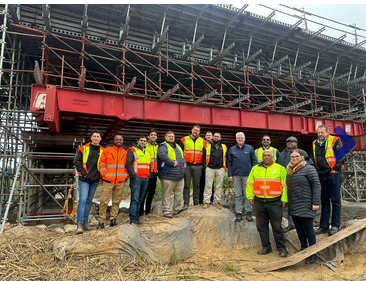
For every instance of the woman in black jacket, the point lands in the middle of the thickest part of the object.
(303, 187)
(87, 165)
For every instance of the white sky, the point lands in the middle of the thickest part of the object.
(347, 14)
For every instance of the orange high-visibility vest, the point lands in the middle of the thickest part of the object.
(329, 152)
(267, 182)
(208, 154)
(112, 165)
(141, 162)
(193, 149)
(153, 150)
(85, 149)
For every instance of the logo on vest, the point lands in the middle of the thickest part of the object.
(273, 171)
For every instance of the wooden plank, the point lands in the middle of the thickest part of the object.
(294, 259)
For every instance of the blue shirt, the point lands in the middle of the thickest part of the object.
(240, 160)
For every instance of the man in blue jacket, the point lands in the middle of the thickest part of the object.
(240, 160)
(171, 169)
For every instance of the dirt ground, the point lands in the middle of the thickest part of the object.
(30, 257)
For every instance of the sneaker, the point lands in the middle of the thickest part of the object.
(218, 206)
(321, 230)
(333, 230)
(239, 217)
(264, 251)
(287, 229)
(282, 253)
(205, 206)
(249, 216)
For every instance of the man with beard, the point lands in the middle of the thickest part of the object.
(152, 148)
(171, 166)
(192, 146)
(266, 145)
(138, 167)
(114, 176)
(208, 138)
(330, 175)
(215, 155)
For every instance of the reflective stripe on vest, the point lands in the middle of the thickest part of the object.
(153, 150)
(193, 149)
(267, 182)
(259, 153)
(208, 154)
(141, 162)
(329, 152)
(112, 166)
(85, 149)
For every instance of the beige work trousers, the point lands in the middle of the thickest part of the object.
(168, 187)
(114, 190)
(212, 174)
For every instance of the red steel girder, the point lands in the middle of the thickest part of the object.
(128, 107)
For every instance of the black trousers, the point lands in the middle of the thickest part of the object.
(305, 231)
(149, 195)
(270, 212)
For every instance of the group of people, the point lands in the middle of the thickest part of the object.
(267, 180)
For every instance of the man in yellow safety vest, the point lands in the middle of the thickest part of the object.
(138, 167)
(330, 176)
(152, 148)
(266, 144)
(267, 192)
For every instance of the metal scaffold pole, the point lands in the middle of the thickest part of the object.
(10, 196)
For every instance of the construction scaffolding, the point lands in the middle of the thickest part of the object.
(213, 55)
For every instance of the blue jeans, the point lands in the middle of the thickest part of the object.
(86, 194)
(331, 194)
(138, 188)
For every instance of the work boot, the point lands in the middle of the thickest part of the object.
(333, 230)
(100, 225)
(218, 206)
(311, 259)
(169, 216)
(239, 217)
(113, 223)
(249, 216)
(79, 228)
(264, 251)
(205, 206)
(321, 230)
(282, 253)
(290, 227)
(86, 226)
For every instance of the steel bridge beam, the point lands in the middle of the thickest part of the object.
(127, 107)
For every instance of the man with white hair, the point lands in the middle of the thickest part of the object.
(240, 160)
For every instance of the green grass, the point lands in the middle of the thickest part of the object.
(174, 258)
(229, 269)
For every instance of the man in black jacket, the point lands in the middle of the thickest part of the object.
(330, 176)
(215, 155)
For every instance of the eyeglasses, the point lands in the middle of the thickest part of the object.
(266, 139)
(298, 156)
(143, 140)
